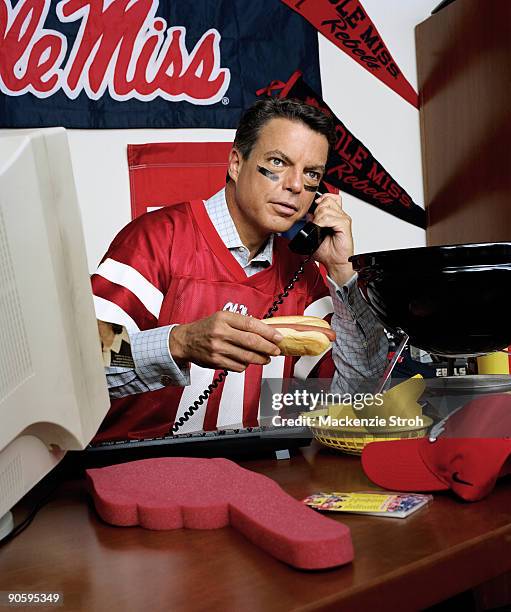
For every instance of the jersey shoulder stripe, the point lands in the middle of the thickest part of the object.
(124, 299)
(126, 276)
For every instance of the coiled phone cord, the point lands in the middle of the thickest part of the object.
(223, 374)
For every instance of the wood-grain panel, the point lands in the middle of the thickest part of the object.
(464, 70)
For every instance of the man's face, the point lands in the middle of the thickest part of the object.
(275, 186)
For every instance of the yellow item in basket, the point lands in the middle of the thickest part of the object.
(398, 415)
(400, 401)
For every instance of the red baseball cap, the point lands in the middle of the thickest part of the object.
(465, 452)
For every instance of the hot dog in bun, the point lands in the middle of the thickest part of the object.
(302, 335)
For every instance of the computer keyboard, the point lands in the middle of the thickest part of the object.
(252, 441)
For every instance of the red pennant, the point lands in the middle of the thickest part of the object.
(348, 26)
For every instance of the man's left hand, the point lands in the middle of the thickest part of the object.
(337, 248)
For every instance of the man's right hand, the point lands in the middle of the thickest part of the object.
(224, 340)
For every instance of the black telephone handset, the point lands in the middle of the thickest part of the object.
(305, 242)
(309, 236)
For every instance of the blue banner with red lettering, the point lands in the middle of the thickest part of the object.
(145, 63)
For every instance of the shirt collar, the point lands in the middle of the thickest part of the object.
(218, 211)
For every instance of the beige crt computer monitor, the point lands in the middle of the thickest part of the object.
(53, 393)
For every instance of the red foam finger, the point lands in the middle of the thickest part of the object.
(172, 493)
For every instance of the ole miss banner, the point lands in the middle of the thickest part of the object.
(348, 26)
(145, 63)
(351, 166)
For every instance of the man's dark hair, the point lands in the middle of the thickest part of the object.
(258, 115)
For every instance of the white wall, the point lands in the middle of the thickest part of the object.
(100, 166)
(384, 122)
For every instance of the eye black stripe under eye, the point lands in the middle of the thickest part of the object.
(268, 173)
(310, 187)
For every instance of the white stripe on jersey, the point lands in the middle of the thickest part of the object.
(274, 369)
(128, 277)
(111, 313)
(200, 378)
(230, 410)
(320, 308)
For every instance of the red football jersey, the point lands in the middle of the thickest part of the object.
(171, 266)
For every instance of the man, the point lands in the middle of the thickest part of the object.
(181, 280)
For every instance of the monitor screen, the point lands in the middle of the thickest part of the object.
(53, 393)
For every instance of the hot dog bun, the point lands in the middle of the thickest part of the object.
(302, 335)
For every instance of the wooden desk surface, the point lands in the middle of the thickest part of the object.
(412, 563)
